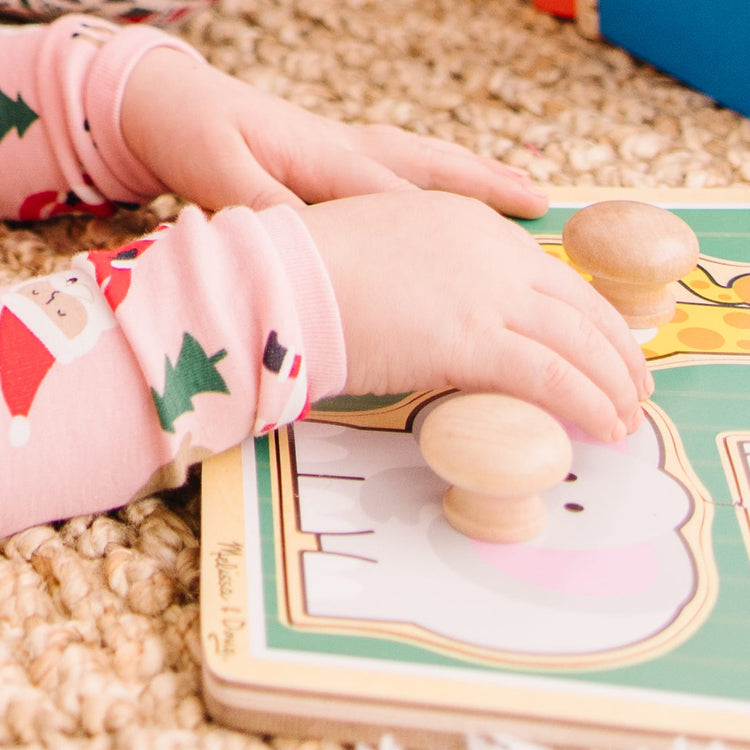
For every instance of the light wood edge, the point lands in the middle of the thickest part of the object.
(312, 717)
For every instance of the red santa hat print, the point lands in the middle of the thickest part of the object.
(24, 362)
(53, 319)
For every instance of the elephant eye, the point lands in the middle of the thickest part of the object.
(61, 313)
(71, 280)
(574, 507)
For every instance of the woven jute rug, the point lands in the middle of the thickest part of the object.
(99, 629)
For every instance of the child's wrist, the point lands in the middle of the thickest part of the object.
(314, 298)
(108, 83)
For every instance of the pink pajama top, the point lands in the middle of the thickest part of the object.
(120, 372)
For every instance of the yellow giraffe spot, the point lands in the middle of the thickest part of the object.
(701, 339)
(737, 319)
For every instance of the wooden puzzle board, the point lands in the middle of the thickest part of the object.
(336, 601)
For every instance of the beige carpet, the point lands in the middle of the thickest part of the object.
(99, 639)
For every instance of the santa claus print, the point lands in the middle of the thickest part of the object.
(113, 267)
(84, 198)
(49, 320)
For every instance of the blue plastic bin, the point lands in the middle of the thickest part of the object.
(704, 43)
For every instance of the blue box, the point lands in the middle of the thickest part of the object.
(704, 43)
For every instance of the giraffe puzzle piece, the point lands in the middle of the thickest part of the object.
(633, 252)
(498, 453)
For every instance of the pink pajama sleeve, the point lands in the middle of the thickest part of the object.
(120, 372)
(154, 12)
(61, 89)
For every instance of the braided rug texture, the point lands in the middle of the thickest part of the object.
(99, 627)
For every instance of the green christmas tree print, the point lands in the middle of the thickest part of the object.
(194, 373)
(15, 113)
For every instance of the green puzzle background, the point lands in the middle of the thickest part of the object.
(702, 400)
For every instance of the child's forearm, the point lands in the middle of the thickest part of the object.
(96, 115)
(61, 87)
(121, 372)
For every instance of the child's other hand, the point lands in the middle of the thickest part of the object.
(217, 141)
(435, 289)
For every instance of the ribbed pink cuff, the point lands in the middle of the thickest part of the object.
(314, 298)
(125, 179)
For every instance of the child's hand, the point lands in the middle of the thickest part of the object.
(435, 289)
(217, 141)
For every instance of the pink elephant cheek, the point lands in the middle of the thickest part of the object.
(601, 573)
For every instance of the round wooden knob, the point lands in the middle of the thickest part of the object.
(498, 453)
(633, 251)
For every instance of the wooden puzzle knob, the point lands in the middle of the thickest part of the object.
(633, 251)
(498, 453)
